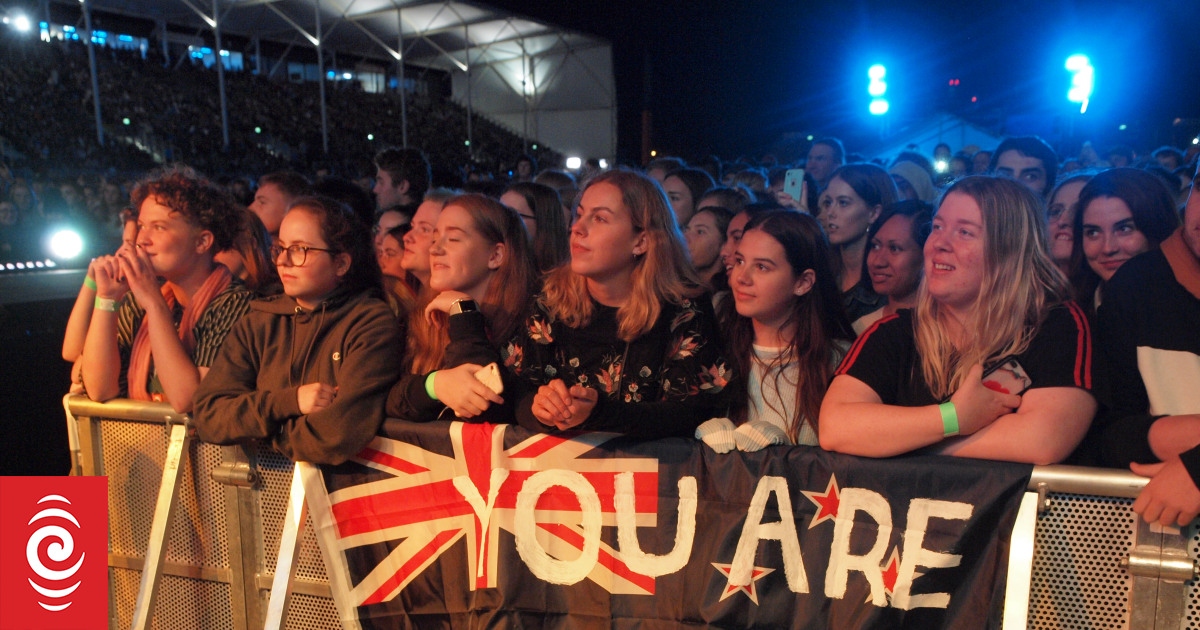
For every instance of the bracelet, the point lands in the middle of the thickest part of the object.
(89, 282)
(429, 385)
(949, 419)
(106, 304)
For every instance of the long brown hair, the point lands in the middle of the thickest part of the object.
(662, 274)
(508, 290)
(817, 317)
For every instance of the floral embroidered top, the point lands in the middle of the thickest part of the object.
(664, 383)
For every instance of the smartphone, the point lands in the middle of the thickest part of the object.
(1007, 376)
(793, 184)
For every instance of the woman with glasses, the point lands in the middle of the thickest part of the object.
(308, 370)
(152, 339)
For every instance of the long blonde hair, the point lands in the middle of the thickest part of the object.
(1020, 285)
(662, 274)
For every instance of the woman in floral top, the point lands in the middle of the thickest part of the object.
(621, 339)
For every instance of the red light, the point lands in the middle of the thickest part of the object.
(974, 98)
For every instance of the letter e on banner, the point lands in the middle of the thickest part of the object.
(54, 552)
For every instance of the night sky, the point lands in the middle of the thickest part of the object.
(728, 77)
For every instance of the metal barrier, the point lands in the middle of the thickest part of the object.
(1079, 557)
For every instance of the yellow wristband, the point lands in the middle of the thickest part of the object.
(949, 419)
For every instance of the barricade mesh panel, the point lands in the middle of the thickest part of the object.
(276, 481)
(308, 612)
(133, 460)
(1077, 580)
(1191, 618)
(182, 602)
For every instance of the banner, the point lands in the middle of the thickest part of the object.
(476, 525)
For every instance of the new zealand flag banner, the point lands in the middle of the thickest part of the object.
(476, 525)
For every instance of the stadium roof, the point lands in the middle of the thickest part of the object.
(440, 34)
(538, 79)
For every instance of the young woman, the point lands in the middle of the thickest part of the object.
(621, 339)
(308, 370)
(541, 211)
(1060, 217)
(482, 273)
(857, 194)
(684, 189)
(705, 236)
(990, 293)
(249, 259)
(152, 341)
(788, 332)
(1122, 212)
(894, 258)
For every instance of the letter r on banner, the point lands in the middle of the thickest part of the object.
(54, 552)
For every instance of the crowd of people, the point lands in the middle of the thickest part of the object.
(1022, 314)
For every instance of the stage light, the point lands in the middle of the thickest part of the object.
(370, 136)
(66, 244)
(603, 163)
(941, 165)
(1083, 77)
(535, 147)
(877, 88)
(21, 23)
(574, 163)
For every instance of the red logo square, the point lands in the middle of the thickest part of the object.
(54, 553)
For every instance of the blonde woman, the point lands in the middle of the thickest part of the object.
(990, 293)
(621, 339)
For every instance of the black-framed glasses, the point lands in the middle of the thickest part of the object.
(296, 254)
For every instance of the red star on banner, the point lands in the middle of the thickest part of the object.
(891, 571)
(755, 575)
(827, 503)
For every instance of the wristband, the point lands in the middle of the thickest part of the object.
(429, 385)
(949, 419)
(105, 304)
(89, 282)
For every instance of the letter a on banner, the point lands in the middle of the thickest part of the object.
(54, 552)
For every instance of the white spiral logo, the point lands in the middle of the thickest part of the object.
(59, 550)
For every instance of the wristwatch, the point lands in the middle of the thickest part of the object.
(463, 305)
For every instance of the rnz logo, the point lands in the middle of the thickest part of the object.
(54, 586)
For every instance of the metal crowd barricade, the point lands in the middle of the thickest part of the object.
(240, 551)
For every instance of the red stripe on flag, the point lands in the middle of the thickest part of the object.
(384, 510)
(539, 447)
(409, 567)
(610, 562)
(391, 461)
(645, 489)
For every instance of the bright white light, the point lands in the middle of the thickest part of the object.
(66, 244)
(346, 75)
(879, 106)
(941, 166)
(370, 136)
(1077, 62)
(1196, 140)
(877, 88)
(21, 23)
(574, 163)
(603, 163)
(876, 72)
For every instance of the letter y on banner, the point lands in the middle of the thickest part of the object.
(54, 553)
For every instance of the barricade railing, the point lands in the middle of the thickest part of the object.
(239, 552)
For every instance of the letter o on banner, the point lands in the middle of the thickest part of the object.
(539, 561)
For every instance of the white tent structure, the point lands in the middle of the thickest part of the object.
(540, 81)
(926, 134)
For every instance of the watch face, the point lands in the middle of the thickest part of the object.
(463, 306)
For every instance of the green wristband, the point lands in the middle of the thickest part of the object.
(105, 304)
(89, 282)
(429, 385)
(949, 419)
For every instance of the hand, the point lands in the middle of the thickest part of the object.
(139, 275)
(1171, 497)
(110, 282)
(315, 397)
(556, 405)
(442, 302)
(977, 406)
(753, 436)
(464, 394)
